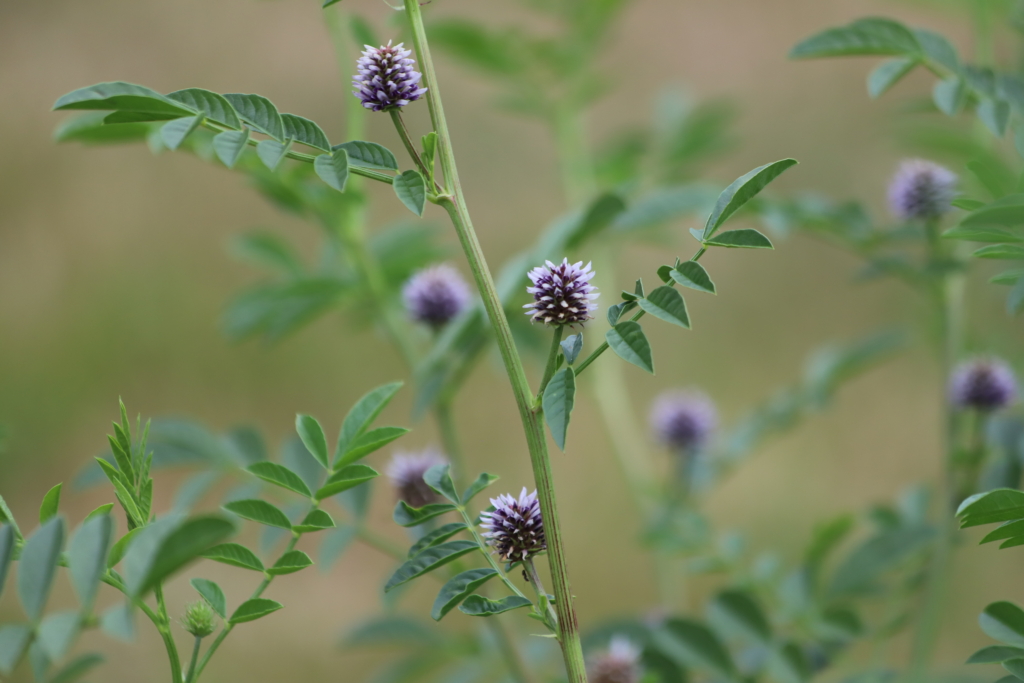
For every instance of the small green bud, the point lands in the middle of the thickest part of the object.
(199, 619)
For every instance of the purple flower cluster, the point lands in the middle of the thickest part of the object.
(620, 663)
(515, 529)
(984, 384)
(562, 294)
(386, 78)
(435, 295)
(921, 190)
(406, 472)
(683, 420)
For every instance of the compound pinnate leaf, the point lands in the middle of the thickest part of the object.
(479, 606)
(251, 610)
(333, 168)
(458, 589)
(259, 511)
(411, 189)
(38, 565)
(258, 112)
(369, 155)
(1000, 505)
(236, 555)
(57, 633)
(281, 476)
(628, 341)
(429, 560)
(665, 303)
(212, 105)
(558, 401)
(213, 595)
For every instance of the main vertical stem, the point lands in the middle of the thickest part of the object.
(948, 297)
(455, 205)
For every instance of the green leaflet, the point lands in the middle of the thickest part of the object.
(458, 589)
(558, 400)
(429, 560)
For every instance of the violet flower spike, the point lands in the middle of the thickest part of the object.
(515, 528)
(683, 420)
(435, 295)
(406, 472)
(921, 190)
(386, 79)
(562, 294)
(984, 384)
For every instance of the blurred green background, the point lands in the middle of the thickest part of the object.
(114, 270)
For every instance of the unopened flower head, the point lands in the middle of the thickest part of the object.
(406, 472)
(515, 529)
(921, 190)
(562, 294)
(386, 78)
(620, 663)
(435, 295)
(683, 420)
(983, 384)
(199, 619)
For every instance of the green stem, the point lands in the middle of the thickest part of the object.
(403, 132)
(190, 676)
(164, 627)
(483, 551)
(455, 205)
(948, 297)
(549, 370)
(542, 595)
(449, 438)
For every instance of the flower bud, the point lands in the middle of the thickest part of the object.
(921, 190)
(620, 663)
(406, 472)
(683, 420)
(199, 619)
(984, 384)
(435, 295)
